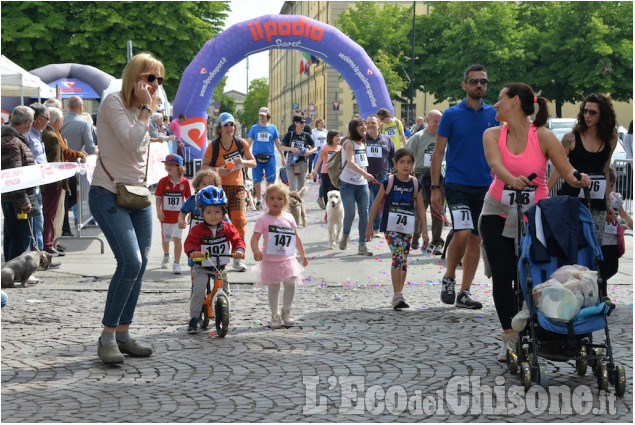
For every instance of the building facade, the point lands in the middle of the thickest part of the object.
(322, 92)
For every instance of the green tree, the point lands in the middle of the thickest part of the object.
(580, 48)
(36, 34)
(379, 30)
(257, 97)
(457, 34)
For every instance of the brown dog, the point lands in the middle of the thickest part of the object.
(297, 208)
(22, 267)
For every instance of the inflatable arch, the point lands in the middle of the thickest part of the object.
(273, 32)
(73, 78)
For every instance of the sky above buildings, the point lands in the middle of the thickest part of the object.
(243, 10)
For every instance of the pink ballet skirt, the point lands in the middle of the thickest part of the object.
(272, 272)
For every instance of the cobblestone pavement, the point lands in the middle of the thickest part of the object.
(350, 358)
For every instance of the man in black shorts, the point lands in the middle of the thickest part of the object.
(467, 179)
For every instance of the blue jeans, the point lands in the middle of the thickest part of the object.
(17, 235)
(353, 194)
(38, 226)
(374, 190)
(129, 234)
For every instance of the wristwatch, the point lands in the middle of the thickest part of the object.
(146, 107)
(435, 186)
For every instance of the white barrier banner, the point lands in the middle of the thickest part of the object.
(156, 169)
(36, 175)
(88, 167)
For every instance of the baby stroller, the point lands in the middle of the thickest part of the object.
(553, 340)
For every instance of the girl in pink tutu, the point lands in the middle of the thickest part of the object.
(277, 261)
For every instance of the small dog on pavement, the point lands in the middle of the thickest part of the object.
(297, 208)
(249, 195)
(334, 216)
(22, 267)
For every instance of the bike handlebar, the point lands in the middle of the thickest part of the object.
(208, 256)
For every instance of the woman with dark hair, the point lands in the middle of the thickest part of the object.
(514, 151)
(354, 183)
(589, 147)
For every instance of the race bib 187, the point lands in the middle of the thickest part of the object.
(172, 201)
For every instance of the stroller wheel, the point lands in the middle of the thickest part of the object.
(512, 362)
(581, 364)
(603, 377)
(526, 354)
(543, 376)
(525, 375)
(595, 365)
(620, 381)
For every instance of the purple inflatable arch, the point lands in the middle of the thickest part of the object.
(273, 32)
(97, 79)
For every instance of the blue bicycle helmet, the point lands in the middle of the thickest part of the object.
(210, 195)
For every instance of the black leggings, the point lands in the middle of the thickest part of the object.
(608, 267)
(501, 255)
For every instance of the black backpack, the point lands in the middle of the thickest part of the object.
(216, 151)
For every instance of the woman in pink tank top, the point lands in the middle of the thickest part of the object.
(514, 151)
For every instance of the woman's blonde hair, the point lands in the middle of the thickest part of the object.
(141, 64)
(279, 187)
(208, 172)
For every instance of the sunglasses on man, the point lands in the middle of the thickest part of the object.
(475, 81)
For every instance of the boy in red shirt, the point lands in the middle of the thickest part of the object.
(172, 191)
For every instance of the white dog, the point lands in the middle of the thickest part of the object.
(334, 216)
(249, 195)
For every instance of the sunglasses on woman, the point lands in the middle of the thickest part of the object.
(228, 124)
(591, 112)
(152, 77)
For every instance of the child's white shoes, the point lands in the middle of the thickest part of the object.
(275, 321)
(286, 317)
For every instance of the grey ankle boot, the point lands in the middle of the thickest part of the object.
(343, 242)
(362, 250)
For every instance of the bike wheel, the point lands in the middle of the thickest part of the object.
(204, 317)
(620, 382)
(221, 315)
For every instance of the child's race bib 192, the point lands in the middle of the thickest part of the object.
(217, 245)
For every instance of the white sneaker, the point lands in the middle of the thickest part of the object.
(286, 317)
(239, 265)
(33, 280)
(320, 202)
(165, 262)
(275, 321)
(176, 268)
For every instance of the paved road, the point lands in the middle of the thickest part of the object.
(351, 358)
